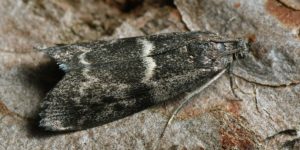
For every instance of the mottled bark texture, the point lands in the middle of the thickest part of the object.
(264, 116)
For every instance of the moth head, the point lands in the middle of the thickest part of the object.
(242, 49)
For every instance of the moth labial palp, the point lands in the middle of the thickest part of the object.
(106, 81)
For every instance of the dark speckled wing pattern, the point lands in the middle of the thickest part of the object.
(106, 81)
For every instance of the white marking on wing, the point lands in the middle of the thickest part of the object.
(85, 71)
(81, 57)
(148, 61)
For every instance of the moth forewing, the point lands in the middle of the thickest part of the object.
(110, 80)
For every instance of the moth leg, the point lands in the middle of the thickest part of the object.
(228, 22)
(187, 98)
(232, 83)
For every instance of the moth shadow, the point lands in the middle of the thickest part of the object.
(43, 78)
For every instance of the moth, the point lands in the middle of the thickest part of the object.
(108, 80)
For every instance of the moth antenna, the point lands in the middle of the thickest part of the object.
(236, 57)
(186, 99)
(232, 82)
(225, 29)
